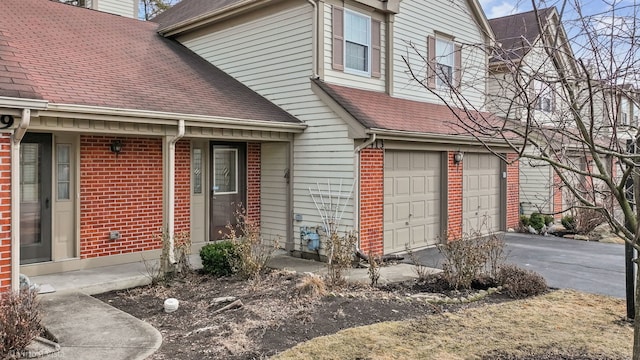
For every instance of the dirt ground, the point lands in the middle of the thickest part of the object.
(273, 316)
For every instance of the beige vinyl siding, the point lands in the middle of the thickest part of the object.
(342, 77)
(273, 195)
(272, 56)
(418, 19)
(536, 182)
(127, 8)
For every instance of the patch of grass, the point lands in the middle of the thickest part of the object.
(567, 321)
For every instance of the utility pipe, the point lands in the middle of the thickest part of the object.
(16, 138)
(171, 189)
(314, 39)
(356, 152)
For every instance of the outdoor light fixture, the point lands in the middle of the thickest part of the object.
(457, 157)
(116, 146)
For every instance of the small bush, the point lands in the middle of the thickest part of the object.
(311, 286)
(520, 283)
(537, 221)
(340, 251)
(219, 258)
(466, 259)
(19, 322)
(588, 219)
(568, 222)
(548, 219)
(524, 221)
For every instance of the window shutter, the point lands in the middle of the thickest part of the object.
(337, 25)
(457, 66)
(431, 56)
(375, 48)
(552, 89)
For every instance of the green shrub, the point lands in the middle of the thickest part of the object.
(219, 258)
(536, 220)
(548, 219)
(569, 222)
(20, 317)
(520, 283)
(524, 221)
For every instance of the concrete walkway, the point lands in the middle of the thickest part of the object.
(87, 328)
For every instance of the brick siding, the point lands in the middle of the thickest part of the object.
(372, 200)
(183, 186)
(454, 196)
(254, 153)
(557, 196)
(513, 194)
(121, 193)
(5, 212)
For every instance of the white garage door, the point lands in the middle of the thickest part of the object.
(481, 193)
(411, 199)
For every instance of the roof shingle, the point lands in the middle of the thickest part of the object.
(70, 55)
(517, 32)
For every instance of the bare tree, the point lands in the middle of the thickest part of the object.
(151, 8)
(563, 98)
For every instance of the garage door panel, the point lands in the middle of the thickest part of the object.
(388, 186)
(416, 181)
(481, 193)
(388, 213)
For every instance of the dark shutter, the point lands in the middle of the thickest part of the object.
(337, 27)
(431, 56)
(457, 66)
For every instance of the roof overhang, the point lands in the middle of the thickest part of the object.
(482, 20)
(166, 118)
(470, 140)
(20, 103)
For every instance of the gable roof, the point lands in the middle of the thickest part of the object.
(379, 111)
(517, 32)
(76, 56)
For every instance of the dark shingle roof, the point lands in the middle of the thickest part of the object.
(376, 110)
(70, 55)
(518, 31)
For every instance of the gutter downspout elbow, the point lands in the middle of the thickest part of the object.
(16, 138)
(314, 39)
(171, 190)
(356, 153)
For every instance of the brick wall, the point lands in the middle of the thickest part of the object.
(513, 194)
(557, 197)
(454, 196)
(5, 212)
(122, 193)
(254, 151)
(183, 186)
(372, 200)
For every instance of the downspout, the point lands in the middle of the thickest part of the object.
(171, 189)
(314, 39)
(356, 152)
(16, 138)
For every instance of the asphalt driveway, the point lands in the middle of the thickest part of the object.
(586, 266)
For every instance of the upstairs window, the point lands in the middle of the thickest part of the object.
(357, 42)
(543, 96)
(356, 47)
(624, 119)
(444, 63)
(445, 60)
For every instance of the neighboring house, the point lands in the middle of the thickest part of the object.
(118, 128)
(521, 51)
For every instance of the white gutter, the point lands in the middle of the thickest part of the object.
(314, 39)
(356, 153)
(171, 189)
(16, 138)
(435, 138)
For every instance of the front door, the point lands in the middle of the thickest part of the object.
(228, 186)
(35, 198)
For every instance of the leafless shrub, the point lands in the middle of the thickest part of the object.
(311, 286)
(588, 219)
(520, 283)
(471, 257)
(420, 270)
(20, 318)
(340, 250)
(253, 252)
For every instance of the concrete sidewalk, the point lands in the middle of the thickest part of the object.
(87, 328)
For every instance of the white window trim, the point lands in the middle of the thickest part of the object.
(347, 69)
(441, 83)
